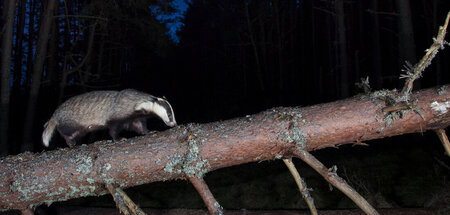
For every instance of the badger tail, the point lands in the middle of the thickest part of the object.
(49, 128)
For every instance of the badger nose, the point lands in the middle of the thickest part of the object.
(172, 124)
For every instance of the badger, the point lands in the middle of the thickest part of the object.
(116, 110)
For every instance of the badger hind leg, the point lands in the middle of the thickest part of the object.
(70, 133)
(70, 140)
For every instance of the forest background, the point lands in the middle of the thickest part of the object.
(215, 60)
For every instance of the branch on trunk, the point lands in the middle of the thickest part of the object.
(301, 185)
(123, 202)
(203, 189)
(444, 139)
(331, 176)
(415, 72)
(186, 151)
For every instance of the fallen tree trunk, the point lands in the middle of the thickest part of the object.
(28, 180)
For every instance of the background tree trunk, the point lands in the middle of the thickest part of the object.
(18, 56)
(279, 44)
(38, 67)
(406, 42)
(377, 80)
(343, 70)
(435, 26)
(52, 67)
(6, 48)
(259, 76)
(31, 43)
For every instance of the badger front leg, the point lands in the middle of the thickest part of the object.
(114, 130)
(139, 125)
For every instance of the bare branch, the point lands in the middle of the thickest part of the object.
(202, 188)
(301, 185)
(415, 72)
(442, 163)
(444, 139)
(331, 176)
(123, 202)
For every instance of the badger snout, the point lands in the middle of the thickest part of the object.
(171, 124)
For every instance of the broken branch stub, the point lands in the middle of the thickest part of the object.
(28, 180)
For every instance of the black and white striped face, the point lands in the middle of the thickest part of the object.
(161, 108)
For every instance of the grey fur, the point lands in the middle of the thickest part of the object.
(116, 110)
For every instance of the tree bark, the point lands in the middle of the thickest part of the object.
(6, 48)
(28, 180)
(38, 67)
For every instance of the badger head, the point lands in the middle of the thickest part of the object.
(159, 107)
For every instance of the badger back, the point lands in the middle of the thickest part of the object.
(125, 104)
(91, 108)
